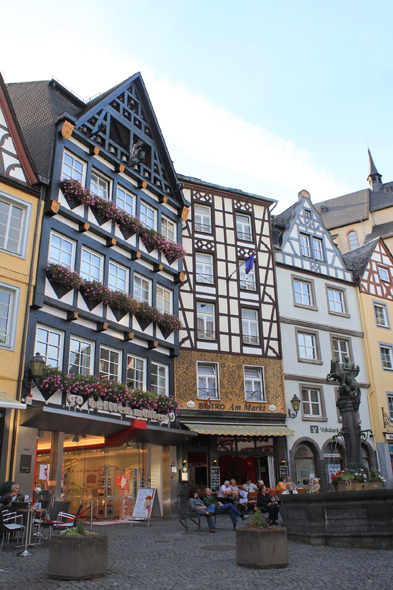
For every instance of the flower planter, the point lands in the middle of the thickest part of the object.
(91, 303)
(127, 233)
(355, 486)
(99, 217)
(72, 201)
(148, 247)
(77, 558)
(143, 322)
(374, 485)
(165, 333)
(262, 548)
(58, 288)
(118, 313)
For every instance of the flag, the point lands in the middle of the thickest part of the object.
(208, 401)
(249, 263)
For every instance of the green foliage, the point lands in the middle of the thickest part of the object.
(376, 476)
(6, 487)
(258, 521)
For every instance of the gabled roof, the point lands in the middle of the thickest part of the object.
(358, 258)
(383, 230)
(344, 210)
(218, 187)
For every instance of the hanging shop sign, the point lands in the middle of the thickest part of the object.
(215, 479)
(76, 402)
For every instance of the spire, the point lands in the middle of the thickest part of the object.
(374, 177)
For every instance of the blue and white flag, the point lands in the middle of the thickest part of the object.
(250, 263)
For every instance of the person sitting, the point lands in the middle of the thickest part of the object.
(282, 484)
(250, 487)
(243, 500)
(196, 505)
(266, 504)
(294, 486)
(234, 488)
(260, 484)
(220, 508)
(225, 492)
(314, 486)
(289, 489)
(12, 496)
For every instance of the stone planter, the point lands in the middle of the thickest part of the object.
(262, 548)
(356, 486)
(374, 485)
(77, 558)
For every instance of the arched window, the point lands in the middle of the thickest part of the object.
(366, 456)
(353, 240)
(334, 458)
(305, 463)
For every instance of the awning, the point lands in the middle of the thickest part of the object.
(239, 429)
(12, 404)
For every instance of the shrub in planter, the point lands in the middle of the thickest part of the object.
(147, 314)
(94, 292)
(52, 380)
(259, 545)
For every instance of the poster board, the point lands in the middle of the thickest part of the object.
(146, 505)
(215, 478)
(284, 471)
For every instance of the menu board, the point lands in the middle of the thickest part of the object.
(215, 478)
(283, 470)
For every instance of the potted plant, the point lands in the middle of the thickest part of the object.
(76, 554)
(349, 481)
(259, 545)
(62, 279)
(375, 481)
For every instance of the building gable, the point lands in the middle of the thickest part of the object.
(377, 279)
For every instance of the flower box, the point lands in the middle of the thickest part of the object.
(73, 202)
(127, 232)
(143, 321)
(354, 486)
(118, 313)
(58, 288)
(101, 219)
(374, 485)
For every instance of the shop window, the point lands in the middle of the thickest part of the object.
(204, 268)
(99, 186)
(168, 229)
(13, 225)
(206, 321)
(305, 463)
(163, 299)
(386, 357)
(125, 200)
(91, 265)
(247, 281)
(305, 249)
(226, 445)
(9, 299)
(317, 248)
(245, 444)
(147, 216)
(381, 315)
(49, 343)
(254, 384)
(142, 289)
(334, 458)
(61, 250)
(136, 372)
(265, 444)
(340, 348)
(81, 357)
(118, 277)
(243, 228)
(110, 365)
(352, 240)
(72, 168)
(207, 380)
(159, 379)
(250, 326)
(203, 222)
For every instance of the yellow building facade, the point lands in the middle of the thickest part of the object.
(20, 214)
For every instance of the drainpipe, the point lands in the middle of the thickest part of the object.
(25, 327)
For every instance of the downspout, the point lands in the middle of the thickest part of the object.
(25, 326)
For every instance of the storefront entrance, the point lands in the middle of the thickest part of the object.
(254, 459)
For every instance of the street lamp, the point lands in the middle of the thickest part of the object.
(35, 371)
(295, 403)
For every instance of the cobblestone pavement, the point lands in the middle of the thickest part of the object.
(163, 557)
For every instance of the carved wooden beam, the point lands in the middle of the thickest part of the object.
(128, 336)
(67, 129)
(142, 183)
(158, 267)
(84, 227)
(135, 255)
(53, 208)
(72, 315)
(180, 278)
(102, 326)
(185, 212)
(111, 242)
(153, 344)
(94, 151)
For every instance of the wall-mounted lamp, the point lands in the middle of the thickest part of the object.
(75, 439)
(214, 461)
(295, 403)
(35, 371)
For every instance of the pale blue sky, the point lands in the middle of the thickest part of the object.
(267, 97)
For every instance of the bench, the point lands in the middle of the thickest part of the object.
(185, 514)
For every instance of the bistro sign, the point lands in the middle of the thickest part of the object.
(76, 402)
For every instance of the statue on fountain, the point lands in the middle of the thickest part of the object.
(346, 374)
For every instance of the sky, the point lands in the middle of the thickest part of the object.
(266, 97)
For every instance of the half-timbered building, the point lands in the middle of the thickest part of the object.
(319, 320)
(372, 267)
(106, 300)
(229, 372)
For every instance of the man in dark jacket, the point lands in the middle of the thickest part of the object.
(229, 508)
(266, 504)
(12, 496)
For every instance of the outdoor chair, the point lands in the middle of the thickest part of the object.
(9, 525)
(67, 524)
(57, 507)
(185, 514)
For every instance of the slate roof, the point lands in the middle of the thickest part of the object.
(344, 210)
(357, 259)
(383, 230)
(198, 181)
(282, 219)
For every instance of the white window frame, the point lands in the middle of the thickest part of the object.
(389, 348)
(159, 306)
(384, 270)
(301, 343)
(144, 363)
(248, 338)
(165, 228)
(251, 398)
(204, 214)
(305, 247)
(214, 393)
(38, 347)
(100, 179)
(204, 277)
(205, 317)
(127, 280)
(82, 341)
(71, 155)
(111, 350)
(317, 248)
(385, 314)
(92, 253)
(123, 203)
(24, 224)
(338, 350)
(137, 278)
(247, 281)
(389, 396)
(311, 415)
(63, 239)
(302, 294)
(10, 333)
(334, 301)
(149, 209)
(242, 225)
(157, 388)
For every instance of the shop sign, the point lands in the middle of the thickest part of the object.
(76, 402)
(328, 429)
(247, 407)
(332, 455)
(389, 436)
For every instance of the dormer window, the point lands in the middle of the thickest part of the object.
(203, 221)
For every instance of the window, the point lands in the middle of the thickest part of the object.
(353, 240)
(163, 299)
(81, 357)
(317, 248)
(135, 372)
(91, 265)
(110, 364)
(305, 245)
(204, 268)
(253, 384)
(250, 326)
(118, 277)
(311, 403)
(206, 321)
(305, 463)
(12, 225)
(99, 186)
(243, 228)
(247, 281)
(61, 250)
(159, 379)
(203, 221)
(336, 301)
(386, 356)
(381, 315)
(383, 274)
(307, 346)
(8, 313)
(207, 381)
(125, 201)
(147, 216)
(340, 349)
(302, 293)
(142, 289)
(168, 229)
(49, 343)
(307, 213)
(390, 405)
(72, 167)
